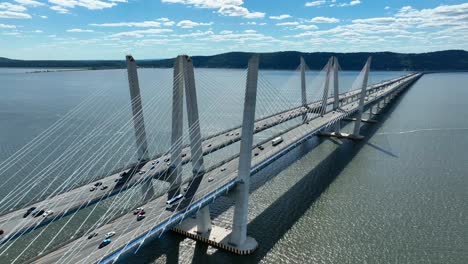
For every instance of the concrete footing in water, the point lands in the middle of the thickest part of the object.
(341, 135)
(373, 121)
(218, 237)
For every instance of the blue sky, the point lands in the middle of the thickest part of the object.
(109, 29)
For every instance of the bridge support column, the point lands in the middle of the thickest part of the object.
(326, 87)
(138, 123)
(357, 125)
(336, 92)
(238, 236)
(371, 112)
(137, 109)
(198, 169)
(303, 89)
(184, 79)
(175, 169)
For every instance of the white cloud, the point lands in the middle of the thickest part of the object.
(225, 7)
(79, 30)
(375, 20)
(315, 3)
(59, 9)
(387, 8)
(12, 7)
(38, 31)
(7, 26)
(280, 17)
(44, 17)
(307, 27)
(141, 33)
(29, 3)
(288, 24)
(9, 10)
(129, 24)
(15, 15)
(62, 6)
(332, 3)
(191, 24)
(324, 20)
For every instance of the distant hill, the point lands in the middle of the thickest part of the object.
(449, 60)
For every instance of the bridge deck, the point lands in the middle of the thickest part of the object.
(66, 203)
(130, 233)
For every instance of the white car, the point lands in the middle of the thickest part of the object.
(110, 234)
(47, 213)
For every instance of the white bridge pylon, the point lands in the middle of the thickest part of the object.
(332, 72)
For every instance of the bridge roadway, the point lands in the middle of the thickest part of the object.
(130, 233)
(69, 202)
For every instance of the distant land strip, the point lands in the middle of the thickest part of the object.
(447, 60)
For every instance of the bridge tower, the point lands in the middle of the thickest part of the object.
(184, 79)
(326, 87)
(362, 97)
(200, 229)
(139, 126)
(336, 91)
(137, 109)
(238, 236)
(303, 89)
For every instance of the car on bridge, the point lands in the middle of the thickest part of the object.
(276, 141)
(141, 216)
(105, 242)
(138, 210)
(92, 235)
(47, 213)
(170, 203)
(110, 234)
(29, 211)
(37, 213)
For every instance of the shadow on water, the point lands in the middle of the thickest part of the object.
(288, 208)
(381, 149)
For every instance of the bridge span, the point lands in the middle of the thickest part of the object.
(81, 197)
(130, 234)
(190, 214)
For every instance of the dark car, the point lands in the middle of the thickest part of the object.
(29, 211)
(98, 184)
(104, 243)
(92, 235)
(104, 187)
(38, 213)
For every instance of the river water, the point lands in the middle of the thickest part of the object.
(400, 196)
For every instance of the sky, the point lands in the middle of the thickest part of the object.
(152, 29)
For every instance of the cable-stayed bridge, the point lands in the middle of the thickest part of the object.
(158, 180)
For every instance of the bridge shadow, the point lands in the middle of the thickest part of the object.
(268, 228)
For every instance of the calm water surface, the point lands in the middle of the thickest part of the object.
(398, 197)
